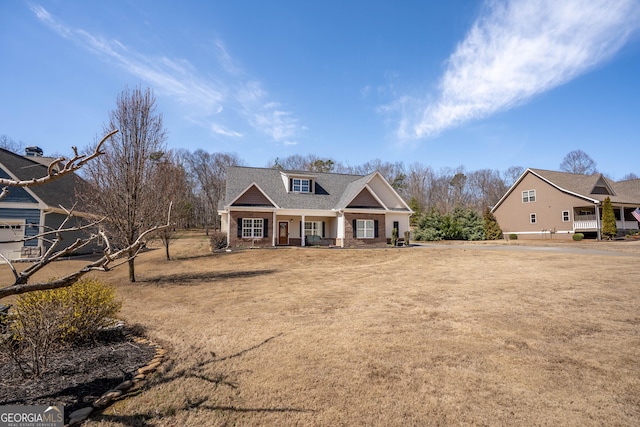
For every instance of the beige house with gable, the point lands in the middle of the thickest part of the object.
(544, 204)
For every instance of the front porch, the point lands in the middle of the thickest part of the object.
(586, 220)
(302, 230)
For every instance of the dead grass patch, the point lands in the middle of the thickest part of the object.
(400, 336)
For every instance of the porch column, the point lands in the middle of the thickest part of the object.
(624, 227)
(274, 228)
(302, 243)
(598, 222)
(228, 227)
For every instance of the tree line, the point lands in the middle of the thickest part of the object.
(139, 183)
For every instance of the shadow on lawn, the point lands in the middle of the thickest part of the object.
(211, 275)
(197, 371)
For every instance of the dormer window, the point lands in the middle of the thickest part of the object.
(300, 185)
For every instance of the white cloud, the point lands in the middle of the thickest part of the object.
(177, 78)
(514, 51)
(220, 130)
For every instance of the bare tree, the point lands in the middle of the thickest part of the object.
(630, 176)
(122, 182)
(579, 162)
(10, 145)
(511, 175)
(209, 172)
(60, 248)
(173, 189)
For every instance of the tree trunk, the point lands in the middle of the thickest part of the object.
(166, 249)
(132, 269)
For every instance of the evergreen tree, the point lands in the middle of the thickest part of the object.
(609, 227)
(492, 229)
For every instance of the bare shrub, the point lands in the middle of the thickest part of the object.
(43, 320)
(218, 240)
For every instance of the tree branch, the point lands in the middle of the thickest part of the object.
(101, 264)
(71, 165)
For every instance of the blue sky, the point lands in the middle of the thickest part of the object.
(480, 84)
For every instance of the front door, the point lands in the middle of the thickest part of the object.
(283, 233)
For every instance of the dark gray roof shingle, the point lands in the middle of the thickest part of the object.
(339, 189)
(56, 193)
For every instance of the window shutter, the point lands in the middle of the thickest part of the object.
(239, 227)
(301, 234)
(323, 235)
(375, 228)
(290, 184)
(265, 232)
(311, 186)
(355, 230)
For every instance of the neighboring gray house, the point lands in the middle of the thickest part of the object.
(26, 212)
(549, 204)
(272, 207)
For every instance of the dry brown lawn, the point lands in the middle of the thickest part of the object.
(457, 334)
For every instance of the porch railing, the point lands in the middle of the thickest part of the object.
(585, 222)
(589, 222)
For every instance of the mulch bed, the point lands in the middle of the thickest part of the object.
(77, 375)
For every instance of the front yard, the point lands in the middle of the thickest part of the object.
(450, 335)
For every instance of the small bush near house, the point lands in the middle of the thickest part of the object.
(43, 320)
(217, 240)
(407, 238)
(578, 236)
(513, 236)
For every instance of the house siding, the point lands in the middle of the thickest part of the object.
(513, 215)
(53, 222)
(253, 197)
(31, 218)
(364, 200)
(351, 242)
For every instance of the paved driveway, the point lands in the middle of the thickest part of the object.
(623, 248)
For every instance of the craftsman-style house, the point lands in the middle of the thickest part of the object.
(271, 207)
(548, 204)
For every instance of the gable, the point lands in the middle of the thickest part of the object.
(602, 187)
(386, 194)
(365, 200)
(16, 194)
(252, 197)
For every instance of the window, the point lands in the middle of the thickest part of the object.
(313, 228)
(365, 229)
(252, 227)
(528, 196)
(10, 226)
(300, 185)
(532, 218)
(565, 216)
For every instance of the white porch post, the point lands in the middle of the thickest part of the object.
(274, 227)
(624, 227)
(598, 222)
(228, 227)
(302, 231)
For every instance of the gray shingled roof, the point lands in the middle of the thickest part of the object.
(340, 189)
(625, 191)
(56, 193)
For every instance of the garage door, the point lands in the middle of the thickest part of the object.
(11, 235)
